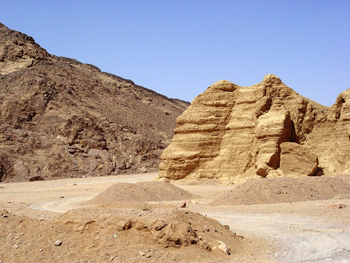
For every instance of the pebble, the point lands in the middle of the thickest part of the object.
(224, 248)
(335, 206)
(58, 243)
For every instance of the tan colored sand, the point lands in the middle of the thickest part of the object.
(105, 234)
(344, 177)
(283, 190)
(141, 192)
(127, 231)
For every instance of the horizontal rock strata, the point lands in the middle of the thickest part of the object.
(234, 133)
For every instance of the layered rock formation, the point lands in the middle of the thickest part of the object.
(63, 118)
(234, 133)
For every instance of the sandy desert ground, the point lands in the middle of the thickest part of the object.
(34, 215)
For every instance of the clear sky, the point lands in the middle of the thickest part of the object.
(178, 48)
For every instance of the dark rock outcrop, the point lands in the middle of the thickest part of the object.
(63, 118)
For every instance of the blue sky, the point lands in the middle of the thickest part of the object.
(179, 48)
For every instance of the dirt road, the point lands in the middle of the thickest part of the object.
(297, 238)
(299, 232)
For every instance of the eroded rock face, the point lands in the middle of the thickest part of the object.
(62, 118)
(18, 51)
(235, 133)
(297, 160)
(272, 129)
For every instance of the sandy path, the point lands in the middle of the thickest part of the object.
(61, 205)
(64, 204)
(300, 232)
(297, 238)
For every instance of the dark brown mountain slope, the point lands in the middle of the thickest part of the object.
(63, 118)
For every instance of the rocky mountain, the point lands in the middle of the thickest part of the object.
(268, 130)
(63, 118)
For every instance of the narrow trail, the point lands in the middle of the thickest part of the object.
(60, 205)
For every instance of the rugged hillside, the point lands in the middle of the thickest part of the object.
(63, 118)
(268, 130)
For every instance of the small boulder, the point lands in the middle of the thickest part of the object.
(58, 243)
(36, 178)
(221, 246)
(143, 170)
(297, 160)
(227, 227)
(335, 206)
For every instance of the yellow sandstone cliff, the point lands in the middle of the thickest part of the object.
(235, 133)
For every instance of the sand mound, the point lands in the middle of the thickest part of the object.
(282, 190)
(103, 234)
(141, 192)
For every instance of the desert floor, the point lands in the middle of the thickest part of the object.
(281, 232)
